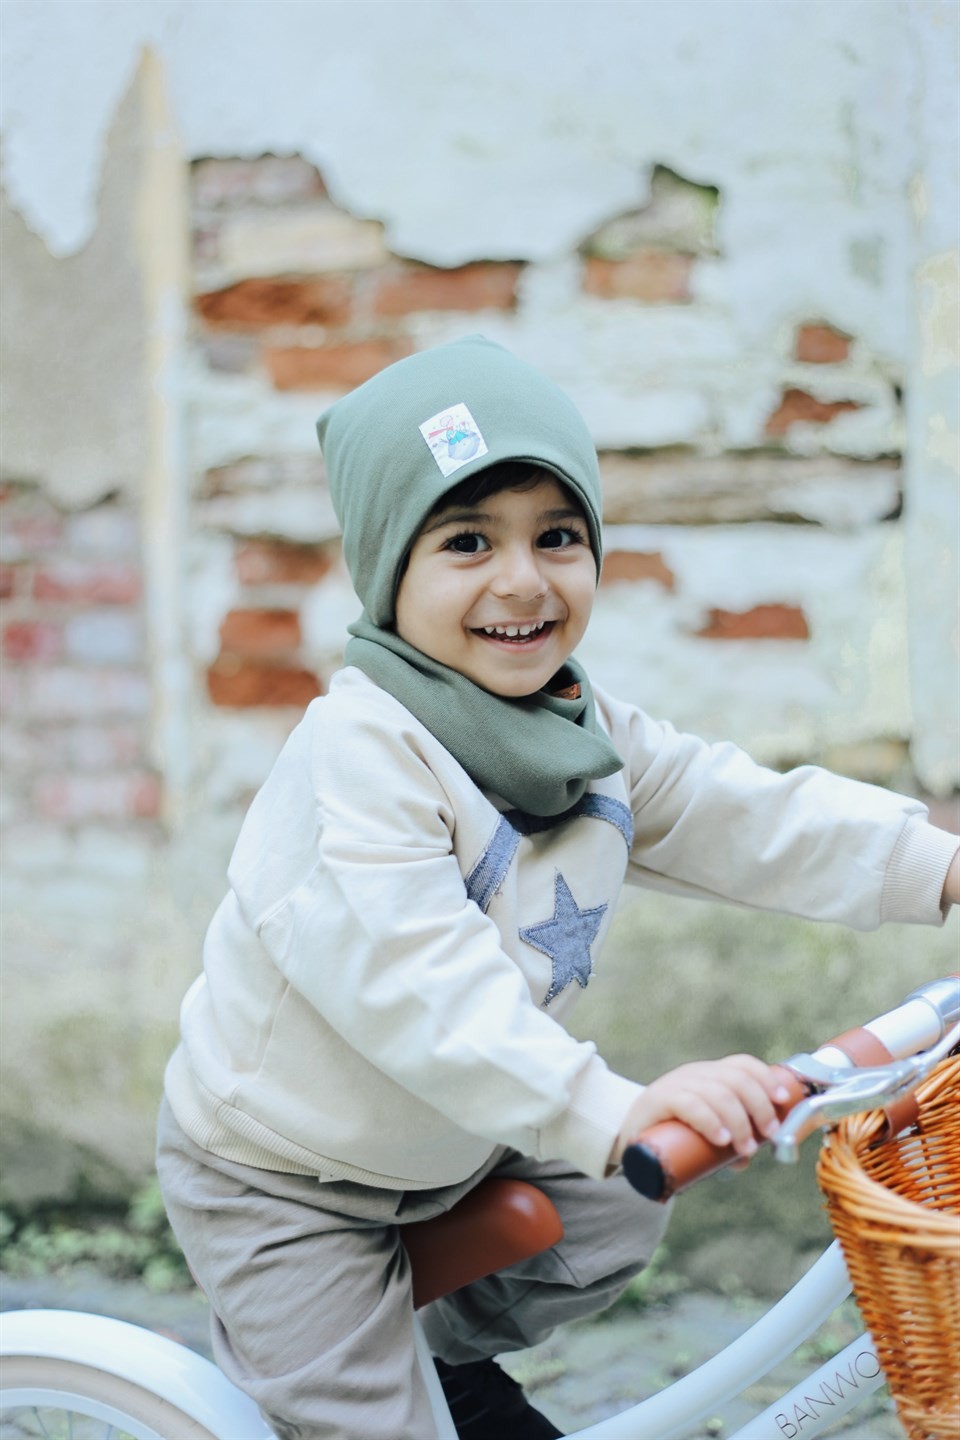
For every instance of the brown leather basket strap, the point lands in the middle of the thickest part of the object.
(497, 1224)
(863, 1048)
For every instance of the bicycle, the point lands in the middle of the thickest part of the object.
(71, 1370)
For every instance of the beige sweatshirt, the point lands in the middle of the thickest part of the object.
(386, 982)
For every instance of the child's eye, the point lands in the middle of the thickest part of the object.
(561, 538)
(468, 542)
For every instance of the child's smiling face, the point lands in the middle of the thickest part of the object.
(501, 590)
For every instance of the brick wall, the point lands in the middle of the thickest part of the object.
(738, 349)
(76, 691)
(297, 301)
(294, 293)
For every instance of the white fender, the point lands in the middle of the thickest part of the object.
(152, 1361)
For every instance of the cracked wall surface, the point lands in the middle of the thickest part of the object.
(728, 230)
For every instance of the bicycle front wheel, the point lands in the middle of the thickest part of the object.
(44, 1398)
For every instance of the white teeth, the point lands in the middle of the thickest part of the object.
(512, 631)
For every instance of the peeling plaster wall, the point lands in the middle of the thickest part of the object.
(932, 516)
(446, 133)
(795, 110)
(73, 401)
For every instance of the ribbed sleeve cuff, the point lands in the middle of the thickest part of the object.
(586, 1131)
(913, 889)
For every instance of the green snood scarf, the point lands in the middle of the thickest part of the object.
(393, 448)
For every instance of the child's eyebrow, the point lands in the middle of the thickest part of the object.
(569, 513)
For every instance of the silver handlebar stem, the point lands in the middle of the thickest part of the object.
(927, 1021)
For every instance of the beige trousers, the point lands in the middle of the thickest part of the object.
(309, 1284)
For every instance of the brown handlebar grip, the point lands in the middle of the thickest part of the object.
(862, 1047)
(669, 1156)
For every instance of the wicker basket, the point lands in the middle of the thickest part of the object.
(895, 1208)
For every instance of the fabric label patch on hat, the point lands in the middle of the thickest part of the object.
(454, 438)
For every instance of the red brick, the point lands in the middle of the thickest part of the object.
(87, 582)
(256, 304)
(32, 640)
(655, 276)
(78, 798)
(486, 285)
(763, 622)
(633, 565)
(271, 562)
(8, 581)
(245, 684)
(796, 405)
(258, 634)
(338, 367)
(821, 345)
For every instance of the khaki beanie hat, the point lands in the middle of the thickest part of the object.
(397, 444)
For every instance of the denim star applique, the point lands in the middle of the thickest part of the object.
(566, 937)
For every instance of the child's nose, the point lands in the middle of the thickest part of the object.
(519, 574)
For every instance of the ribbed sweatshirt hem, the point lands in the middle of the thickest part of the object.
(223, 1129)
(913, 888)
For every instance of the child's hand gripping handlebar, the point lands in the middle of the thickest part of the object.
(855, 1071)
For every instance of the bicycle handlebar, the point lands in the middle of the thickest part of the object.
(667, 1158)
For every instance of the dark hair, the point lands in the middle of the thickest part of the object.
(508, 475)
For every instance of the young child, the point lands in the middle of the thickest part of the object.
(419, 895)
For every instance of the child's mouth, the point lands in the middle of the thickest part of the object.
(525, 633)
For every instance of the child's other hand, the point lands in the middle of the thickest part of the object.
(729, 1102)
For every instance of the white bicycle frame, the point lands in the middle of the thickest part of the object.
(200, 1390)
